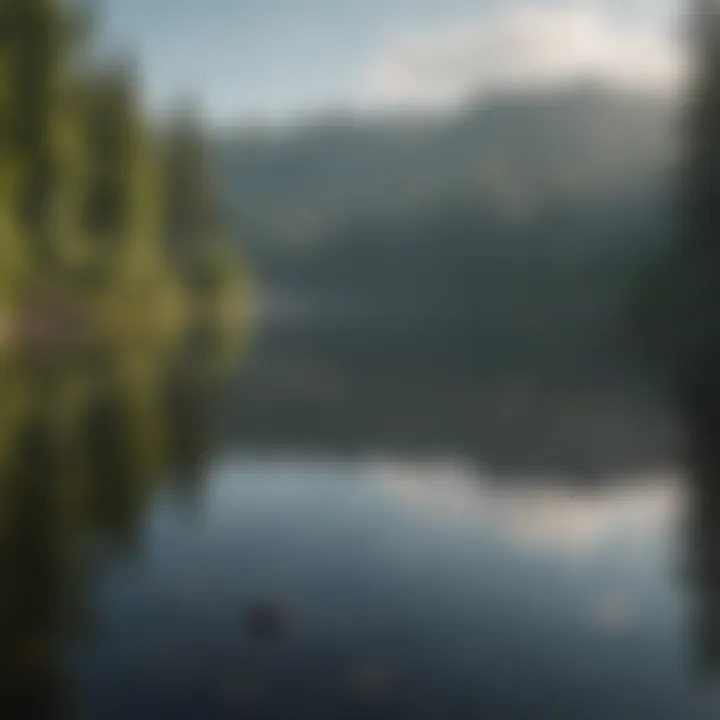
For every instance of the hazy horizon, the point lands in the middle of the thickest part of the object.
(281, 63)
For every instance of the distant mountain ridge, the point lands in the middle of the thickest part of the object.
(518, 154)
(525, 221)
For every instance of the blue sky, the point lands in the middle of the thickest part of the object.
(246, 59)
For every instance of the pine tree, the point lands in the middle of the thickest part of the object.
(123, 200)
(190, 215)
(35, 57)
(698, 249)
(41, 147)
(90, 199)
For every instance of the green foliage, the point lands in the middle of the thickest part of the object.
(510, 160)
(96, 207)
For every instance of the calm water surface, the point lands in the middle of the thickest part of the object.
(316, 538)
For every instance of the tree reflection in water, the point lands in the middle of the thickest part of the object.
(85, 440)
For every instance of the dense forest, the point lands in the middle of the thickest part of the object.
(520, 226)
(561, 233)
(682, 299)
(107, 222)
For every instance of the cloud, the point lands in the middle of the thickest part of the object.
(614, 612)
(531, 516)
(521, 48)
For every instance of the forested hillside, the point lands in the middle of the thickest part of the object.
(91, 194)
(521, 223)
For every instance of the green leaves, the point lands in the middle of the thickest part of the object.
(92, 201)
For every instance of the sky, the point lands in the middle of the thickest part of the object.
(247, 61)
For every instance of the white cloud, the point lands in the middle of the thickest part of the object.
(613, 612)
(519, 48)
(533, 516)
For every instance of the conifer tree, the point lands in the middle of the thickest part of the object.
(190, 215)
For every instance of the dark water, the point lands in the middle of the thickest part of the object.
(330, 532)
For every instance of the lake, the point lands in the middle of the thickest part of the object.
(333, 526)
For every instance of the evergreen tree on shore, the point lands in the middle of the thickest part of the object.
(90, 195)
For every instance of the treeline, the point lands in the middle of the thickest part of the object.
(678, 316)
(103, 218)
(511, 233)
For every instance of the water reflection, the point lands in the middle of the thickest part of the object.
(703, 521)
(402, 585)
(86, 439)
(157, 560)
(344, 392)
